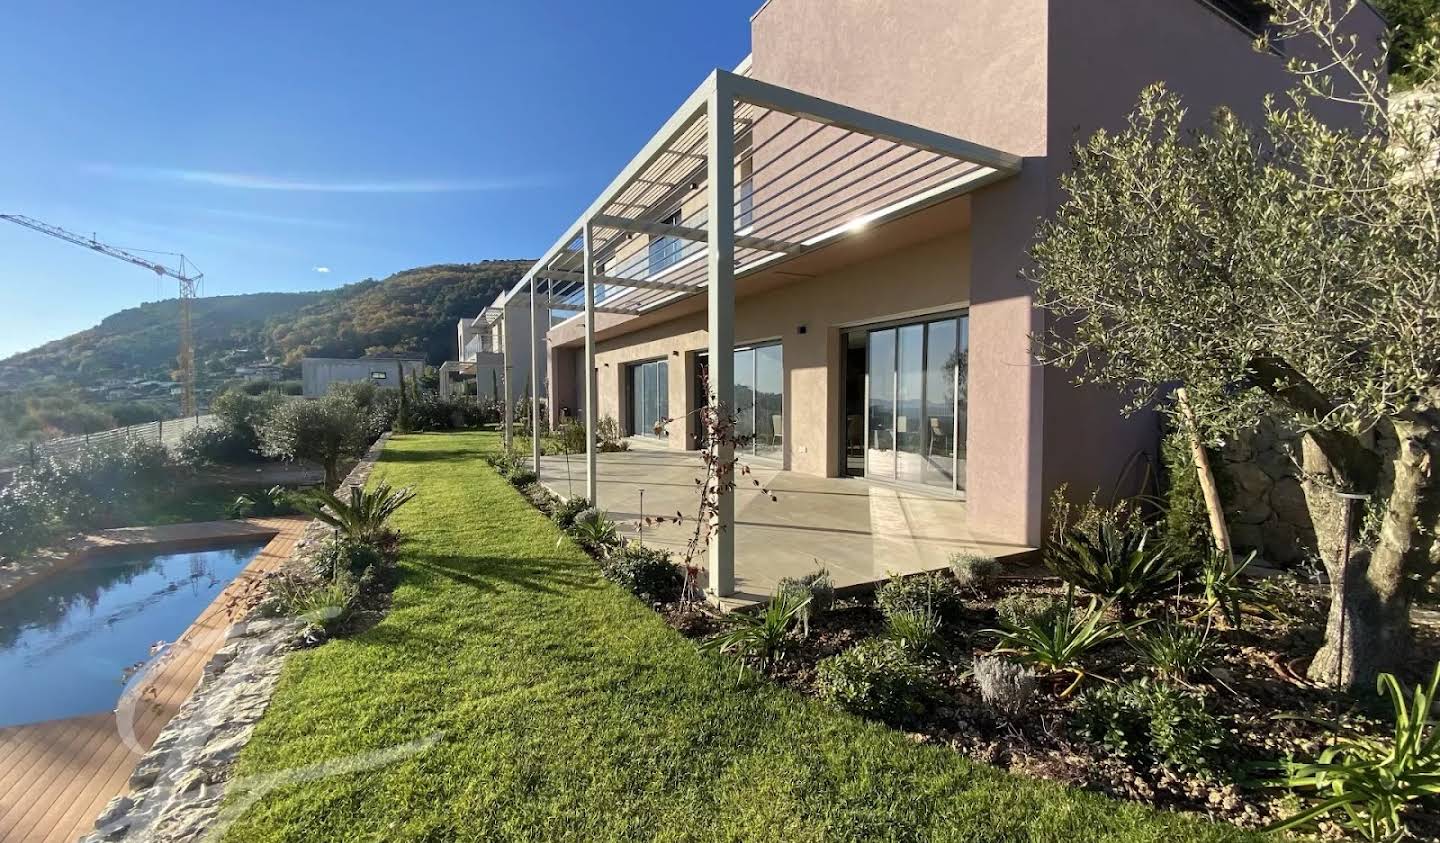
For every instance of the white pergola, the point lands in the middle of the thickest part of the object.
(790, 173)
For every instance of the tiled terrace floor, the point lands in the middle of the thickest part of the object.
(862, 532)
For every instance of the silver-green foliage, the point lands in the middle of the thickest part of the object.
(973, 570)
(1005, 686)
(1289, 270)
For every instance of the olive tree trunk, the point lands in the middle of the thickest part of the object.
(1368, 627)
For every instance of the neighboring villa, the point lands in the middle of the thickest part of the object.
(858, 302)
(318, 374)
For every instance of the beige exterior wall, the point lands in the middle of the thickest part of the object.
(1024, 76)
(929, 278)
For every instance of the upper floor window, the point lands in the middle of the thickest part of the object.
(665, 250)
(1251, 15)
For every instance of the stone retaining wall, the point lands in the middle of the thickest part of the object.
(1259, 475)
(178, 786)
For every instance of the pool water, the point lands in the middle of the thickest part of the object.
(69, 643)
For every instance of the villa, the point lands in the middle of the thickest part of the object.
(831, 238)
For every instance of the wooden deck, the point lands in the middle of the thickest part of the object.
(56, 776)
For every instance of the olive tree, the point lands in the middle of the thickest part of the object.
(1289, 270)
(323, 431)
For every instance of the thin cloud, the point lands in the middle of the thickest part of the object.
(323, 270)
(274, 219)
(259, 181)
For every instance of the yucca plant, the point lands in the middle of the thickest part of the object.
(1226, 593)
(1175, 650)
(759, 637)
(363, 517)
(594, 531)
(1116, 562)
(1371, 782)
(1058, 644)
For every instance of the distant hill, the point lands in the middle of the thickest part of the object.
(414, 310)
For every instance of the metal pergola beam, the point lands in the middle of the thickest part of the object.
(617, 281)
(766, 95)
(685, 232)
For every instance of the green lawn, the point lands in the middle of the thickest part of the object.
(561, 708)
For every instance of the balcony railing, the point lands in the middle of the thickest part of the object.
(481, 344)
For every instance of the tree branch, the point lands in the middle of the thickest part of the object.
(1358, 466)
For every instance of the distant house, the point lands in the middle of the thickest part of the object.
(318, 374)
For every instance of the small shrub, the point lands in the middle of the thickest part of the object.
(216, 445)
(325, 603)
(876, 678)
(974, 571)
(915, 630)
(649, 574)
(1372, 782)
(607, 436)
(594, 531)
(1016, 610)
(265, 503)
(1060, 644)
(1226, 591)
(347, 555)
(1117, 562)
(1005, 686)
(758, 638)
(1175, 650)
(565, 512)
(523, 478)
(933, 590)
(26, 520)
(1152, 723)
(817, 588)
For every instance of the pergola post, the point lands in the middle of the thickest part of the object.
(591, 386)
(535, 340)
(508, 380)
(720, 258)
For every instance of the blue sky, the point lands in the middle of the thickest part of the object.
(271, 142)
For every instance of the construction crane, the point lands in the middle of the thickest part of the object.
(188, 284)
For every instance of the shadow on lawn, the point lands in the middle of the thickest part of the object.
(490, 573)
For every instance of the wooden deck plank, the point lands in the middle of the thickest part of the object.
(56, 776)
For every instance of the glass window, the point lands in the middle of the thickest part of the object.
(759, 398)
(649, 396)
(665, 251)
(915, 404)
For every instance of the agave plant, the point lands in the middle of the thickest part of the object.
(759, 638)
(1058, 644)
(1372, 781)
(363, 517)
(1115, 562)
(594, 530)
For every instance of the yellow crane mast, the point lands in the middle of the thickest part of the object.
(188, 283)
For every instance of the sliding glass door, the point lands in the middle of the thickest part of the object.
(759, 399)
(649, 396)
(915, 403)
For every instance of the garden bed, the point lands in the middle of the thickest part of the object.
(1252, 706)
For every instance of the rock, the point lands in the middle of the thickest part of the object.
(1247, 536)
(1281, 541)
(1250, 480)
(236, 630)
(1287, 499)
(114, 810)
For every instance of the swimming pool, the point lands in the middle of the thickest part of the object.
(68, 644)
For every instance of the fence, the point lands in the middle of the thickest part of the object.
(167, 433)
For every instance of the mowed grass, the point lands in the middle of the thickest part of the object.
(551, 705)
